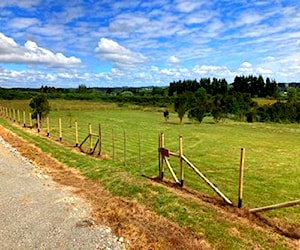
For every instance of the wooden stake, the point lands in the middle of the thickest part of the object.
(14, 115)
(30, 120)
(180, 161)
(113, 144)
(19, 118)
(159, 156)
(48, 126)
(38, 122)
(90, 133)
(76, 134)
(162, 144)
(241, 178)
(100, 139)
(125, 163)
(140, 152)
(24, 119)
(60, 129)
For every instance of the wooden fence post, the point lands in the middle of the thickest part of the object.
(30, 120)
(125, 163)
(180, 161)
(18, 115)
(60, 129)
(159, 156)
(14, 115)
(100, 139)
(162, 144)
(90, 133)
(48, 126)
(113, 144)
(241, 178)
(24, 119)
(140, 152)
(76, 134)
(38, 122)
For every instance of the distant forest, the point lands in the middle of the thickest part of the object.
(253, 85)
(196, 98)
(218, 99)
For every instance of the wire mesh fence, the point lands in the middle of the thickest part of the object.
(109, 141)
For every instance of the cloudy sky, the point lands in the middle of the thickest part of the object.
(108, 43)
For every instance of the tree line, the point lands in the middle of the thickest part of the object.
(253, 85)
(216, 98)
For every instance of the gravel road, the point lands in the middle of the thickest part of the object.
(37, 213)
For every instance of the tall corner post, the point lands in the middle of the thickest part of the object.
(241, 178)
(162, 145)
(181, 161)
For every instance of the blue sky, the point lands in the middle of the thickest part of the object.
(140, 43)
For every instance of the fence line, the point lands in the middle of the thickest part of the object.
(110, 142)
(135, 152)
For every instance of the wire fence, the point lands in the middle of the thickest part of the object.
(107, 141)
(137, 150)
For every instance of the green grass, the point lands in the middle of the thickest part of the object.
(272, 166)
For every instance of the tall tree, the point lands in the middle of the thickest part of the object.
(218, 108)
(182, 104)
(199, 105)
(39, 105)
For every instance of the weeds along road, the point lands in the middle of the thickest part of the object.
(37, 213)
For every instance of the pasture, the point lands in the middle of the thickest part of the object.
(272, 164)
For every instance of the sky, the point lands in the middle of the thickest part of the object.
(106, 43)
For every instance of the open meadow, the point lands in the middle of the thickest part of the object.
(130, 146)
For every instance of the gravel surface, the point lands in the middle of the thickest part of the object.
(37, 213)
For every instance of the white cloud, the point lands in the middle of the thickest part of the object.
(199, 17)
(24, 4)
(248, 18)
(212, 71)
(7, 45)
(31, 53)
(170, 72)
(7, 77)
(246, 65)
(204, 69)
(120, 56)
(173, 60)
(263, 71)
(127, 23)
(269, 58)
(23, 23)
(188, 6)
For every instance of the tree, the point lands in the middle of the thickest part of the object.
(199, 105)
(218, 107)
(82, 88)
(182, 104)
(39, 105)
(271, 88)
(293, 94)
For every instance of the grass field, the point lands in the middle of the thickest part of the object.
(272, 166)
